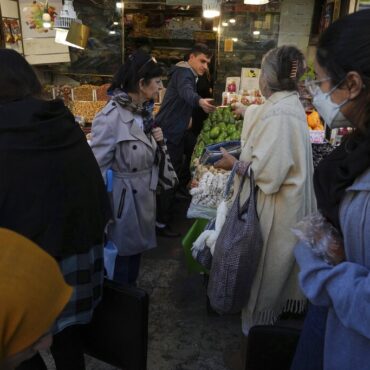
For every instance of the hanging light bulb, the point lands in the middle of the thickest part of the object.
(256, 2)
(211, 8)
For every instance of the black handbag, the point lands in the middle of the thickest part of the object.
(272, 347)
(118, 332)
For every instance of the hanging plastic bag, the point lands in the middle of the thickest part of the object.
(110, 250)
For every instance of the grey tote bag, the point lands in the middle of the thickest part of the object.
(236, 256)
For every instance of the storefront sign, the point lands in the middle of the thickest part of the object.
(228, 45)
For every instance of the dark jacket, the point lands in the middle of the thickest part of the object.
(178, 103)
(51, 188)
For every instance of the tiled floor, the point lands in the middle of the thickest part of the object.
(182, 336)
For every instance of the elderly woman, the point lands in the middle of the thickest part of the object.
(276, 144)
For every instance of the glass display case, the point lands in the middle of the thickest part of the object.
(245, 33)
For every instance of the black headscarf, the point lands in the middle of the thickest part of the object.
(51, 188)
(337, 172)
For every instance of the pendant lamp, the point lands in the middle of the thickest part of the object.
(211, 8)
(256, 2)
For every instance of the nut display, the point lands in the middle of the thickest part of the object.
(87, 109)
(83, 92)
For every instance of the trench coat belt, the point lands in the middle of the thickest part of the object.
(136, 174)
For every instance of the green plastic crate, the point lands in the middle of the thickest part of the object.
(187, 242)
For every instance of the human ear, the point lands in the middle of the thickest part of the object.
(354, 84)
(141, 83)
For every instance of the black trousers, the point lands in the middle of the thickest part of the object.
(165, 199)
(67, 351)
(190, 140)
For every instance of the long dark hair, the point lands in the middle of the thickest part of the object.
(17, 78)
(140, 65)
(345, 47)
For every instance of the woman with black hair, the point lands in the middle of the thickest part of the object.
(125, 141)
(52, 192)
(336, 333)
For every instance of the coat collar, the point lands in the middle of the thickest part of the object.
(128, 119)
(280, 95)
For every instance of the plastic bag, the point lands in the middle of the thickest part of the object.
(110, 254)
(322, 236)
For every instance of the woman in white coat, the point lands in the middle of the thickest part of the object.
(125, 140)
(276, 143)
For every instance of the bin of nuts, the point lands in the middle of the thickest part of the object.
(83, 93)
(101, 92)
(87, 109)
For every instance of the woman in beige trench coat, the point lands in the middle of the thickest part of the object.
(275, 142)
(124, 140)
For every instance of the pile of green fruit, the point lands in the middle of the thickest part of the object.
(221, 125)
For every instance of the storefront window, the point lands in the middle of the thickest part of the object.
(246, 33)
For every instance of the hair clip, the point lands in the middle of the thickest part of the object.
(294, 70)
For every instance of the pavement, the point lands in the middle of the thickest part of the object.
(183, 335)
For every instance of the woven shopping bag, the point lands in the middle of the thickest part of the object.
(237, 253)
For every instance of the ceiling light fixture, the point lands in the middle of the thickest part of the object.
(211, 8)
(232, 20)
(256, 2)
(225, 24)
(256, 33)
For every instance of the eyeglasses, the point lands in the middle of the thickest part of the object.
(152, 59)
(314, 85)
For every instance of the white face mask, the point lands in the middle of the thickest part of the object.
(330, 111)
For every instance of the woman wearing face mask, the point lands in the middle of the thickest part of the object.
(276, 144)
(124, 140)
(336, 333)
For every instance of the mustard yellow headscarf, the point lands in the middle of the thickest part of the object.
(32, 292)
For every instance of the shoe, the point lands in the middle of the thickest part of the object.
(166, 232)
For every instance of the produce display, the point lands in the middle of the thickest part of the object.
(102, 92)
(84, 93)
(314, 121)
(87, 109)
(221, 125)
(208, 186)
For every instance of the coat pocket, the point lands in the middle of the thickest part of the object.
(121, 203)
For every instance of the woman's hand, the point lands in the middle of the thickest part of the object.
(157, 134)
(238, 109)
(226, 162)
